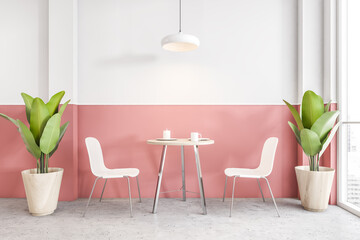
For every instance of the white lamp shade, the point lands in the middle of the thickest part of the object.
(180, 42)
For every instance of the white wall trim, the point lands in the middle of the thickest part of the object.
(300, 58)
(341, 78)
(330, 38)
(63, 51)
(170, 104)
(184, 104)
(310, 47)
(75, 59)
(350, 208)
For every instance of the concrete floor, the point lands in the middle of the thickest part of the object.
(252, 219)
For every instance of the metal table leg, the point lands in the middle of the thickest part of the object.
(156, 199)
(183, 173)
(201, 185)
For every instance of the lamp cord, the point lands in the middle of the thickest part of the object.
(179, 15)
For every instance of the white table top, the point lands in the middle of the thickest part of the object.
(180, 142)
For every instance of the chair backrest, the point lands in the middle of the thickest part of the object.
(95, 156)
(268, 156)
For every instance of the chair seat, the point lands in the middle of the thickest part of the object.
(245, 172)
(119, 173)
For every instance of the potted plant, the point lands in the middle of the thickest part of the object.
(42, 184)
(314, 131)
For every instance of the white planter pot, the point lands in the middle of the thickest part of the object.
(42, 190)
(314, 187)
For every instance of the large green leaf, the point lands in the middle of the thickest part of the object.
(28, 100)
(10, 119)
(312, 108)
(329, 138)
(29, 140)
(327, 107)
(324, 124)
(38, 118)
(62, 132)
(310, 142)
(51, 134)
(54, 102)
(62, 108)
(296, 132)
(295, 115)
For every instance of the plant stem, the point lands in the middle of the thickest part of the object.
(312, 163)
(42, 163)
(37, 166)
(318, 162)
(47, 163)
(41, 160)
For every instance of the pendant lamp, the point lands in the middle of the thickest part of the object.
(180, 42)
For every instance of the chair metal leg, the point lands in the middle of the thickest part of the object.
(137, 180)
(232, 197)
(103, 190)
(226, 177)
(131, 214)
(201, 184)
(260, 190)
(277, 210)
(87, 205)
(183, 173)
(158, 185)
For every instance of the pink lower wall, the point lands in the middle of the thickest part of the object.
(239, 132)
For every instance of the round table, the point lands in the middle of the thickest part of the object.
(181, 142)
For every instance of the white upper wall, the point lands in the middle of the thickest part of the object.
(23, 49)
(247, 54)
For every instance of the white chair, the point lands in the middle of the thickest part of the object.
(264, 170)
(99, 169)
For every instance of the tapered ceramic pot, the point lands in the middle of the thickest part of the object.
(314, 187)
(42, 190)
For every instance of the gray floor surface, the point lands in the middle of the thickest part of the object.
(176, 219)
